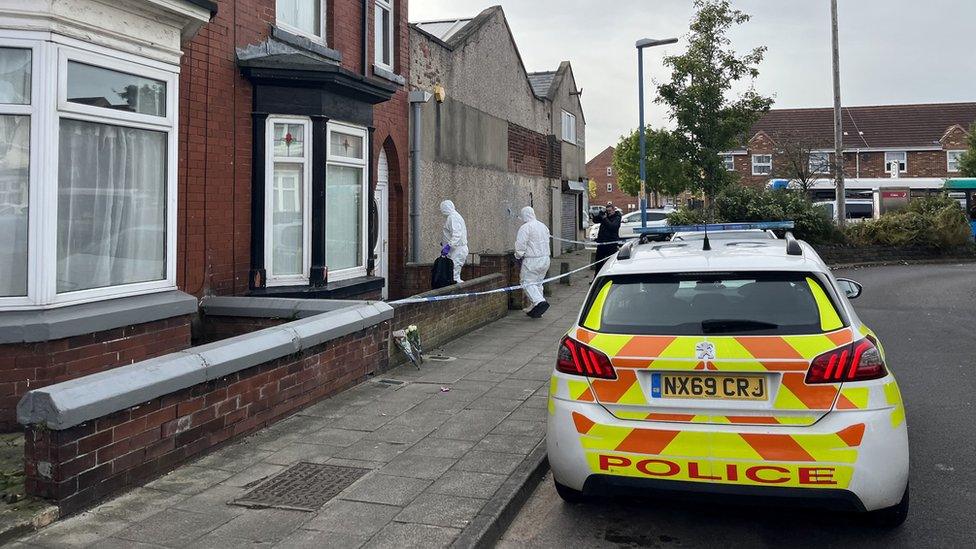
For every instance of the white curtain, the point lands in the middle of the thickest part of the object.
(304, 15)
(343, 217)
(15, 76)
(111, 206)
(14, 181)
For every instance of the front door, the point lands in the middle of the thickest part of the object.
(382, 197)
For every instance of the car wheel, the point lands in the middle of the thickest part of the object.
(891, 517)
(568, 494)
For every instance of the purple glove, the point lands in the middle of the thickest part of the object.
(446, 250)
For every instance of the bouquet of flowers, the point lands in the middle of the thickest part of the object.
(409, 342)
(413, 336)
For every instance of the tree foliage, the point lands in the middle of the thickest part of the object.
(967, 164)
(667, 171)
(932, 222)
(699, 96)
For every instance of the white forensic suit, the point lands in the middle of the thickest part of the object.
(532, 247)
(456, 236)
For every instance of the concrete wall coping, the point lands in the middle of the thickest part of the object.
(51, 324)
(74, 402)
(272, 307)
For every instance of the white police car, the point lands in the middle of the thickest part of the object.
(736, 367)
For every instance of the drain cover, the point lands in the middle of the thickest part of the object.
(440, 358)
(302, 487)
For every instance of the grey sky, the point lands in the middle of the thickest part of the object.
(892, 51)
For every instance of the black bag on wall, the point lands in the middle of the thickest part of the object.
(442, 273)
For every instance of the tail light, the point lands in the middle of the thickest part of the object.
(859, 361)
(578, 359)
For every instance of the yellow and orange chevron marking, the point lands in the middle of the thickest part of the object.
(789, 356)
(839, 447)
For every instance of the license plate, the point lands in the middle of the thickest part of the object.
(708, 386)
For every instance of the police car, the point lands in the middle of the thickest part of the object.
(728, 366)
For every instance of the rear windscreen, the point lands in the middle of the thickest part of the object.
(713, 304)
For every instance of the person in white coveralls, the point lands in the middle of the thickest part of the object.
(455, 238)
(532, 248)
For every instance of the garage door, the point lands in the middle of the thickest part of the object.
(569, 219)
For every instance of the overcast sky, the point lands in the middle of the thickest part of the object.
(892, 51)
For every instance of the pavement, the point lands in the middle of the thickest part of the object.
(447, 451)
(925, 315)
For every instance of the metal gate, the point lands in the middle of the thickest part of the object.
(569, 221)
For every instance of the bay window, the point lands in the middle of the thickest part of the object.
(305, 17)
(287, 211)
(92, 138)
(345, 203)
(383, 33)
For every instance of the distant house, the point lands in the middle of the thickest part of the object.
(497, 137)
(600, 171)
(926, 140)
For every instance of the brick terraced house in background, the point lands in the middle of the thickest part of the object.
(926, 140)
(600, 170)
(154, 152)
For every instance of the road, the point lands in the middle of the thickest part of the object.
(926, 317)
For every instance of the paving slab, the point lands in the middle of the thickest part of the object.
(398, 535)
(388, 489)
(441, 510)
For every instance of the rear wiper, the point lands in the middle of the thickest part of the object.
(715, 326)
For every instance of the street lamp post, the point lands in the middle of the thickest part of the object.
(641, 44)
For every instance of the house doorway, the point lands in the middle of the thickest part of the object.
(382, 198)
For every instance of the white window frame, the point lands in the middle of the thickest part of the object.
(320, 38)
(331, 159)
(887, 162)
(609, 172)
(949, 161)
(728, 161)
(48, 106)
(756, 164)
(269, 169)
(571, 118)
(818, 166)
(389, 38)
(609, 187)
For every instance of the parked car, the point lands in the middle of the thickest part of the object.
(657, 217)
(858, 209)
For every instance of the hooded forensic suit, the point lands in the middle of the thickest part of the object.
(455, 236)
(532, 247)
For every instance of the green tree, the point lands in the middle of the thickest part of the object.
(667, 171)
(967, 164)
(709, 118)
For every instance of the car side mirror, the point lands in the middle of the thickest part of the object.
(850, 288)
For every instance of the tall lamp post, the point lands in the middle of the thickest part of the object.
(841, 193)
(641, 44)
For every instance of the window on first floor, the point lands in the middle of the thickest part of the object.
(762, 164)
(819, 162)
(97, 150)
(609, 187)
(952, 160)
(729, 162)
(901, 157)
(302, 16)
(609, 171)
(569, 127)
(383, 33)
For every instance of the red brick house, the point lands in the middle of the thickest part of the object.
(926, 140)
(152, 153)
(600, 170)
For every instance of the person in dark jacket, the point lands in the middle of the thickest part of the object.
(609, 234)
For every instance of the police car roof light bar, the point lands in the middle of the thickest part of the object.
(716, 227)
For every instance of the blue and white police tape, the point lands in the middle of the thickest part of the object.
(489, 292)
(590, 242)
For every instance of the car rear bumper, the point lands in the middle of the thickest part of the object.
(857, 459)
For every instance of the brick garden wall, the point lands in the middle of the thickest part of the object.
(442, 321)
(849, 255)
(79, 466)
(26, 366)
(417, 275)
